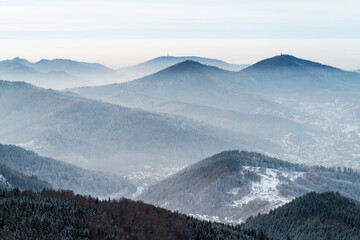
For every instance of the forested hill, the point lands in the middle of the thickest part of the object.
(313, 216)
(232, 186)
(10, 178)
(62, 215)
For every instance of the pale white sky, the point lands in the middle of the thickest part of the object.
(119, 33)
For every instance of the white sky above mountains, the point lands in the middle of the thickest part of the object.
(120, 33)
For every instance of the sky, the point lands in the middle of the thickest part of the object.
(122, 33)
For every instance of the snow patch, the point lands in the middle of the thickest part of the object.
(266, 188)
(206, 217)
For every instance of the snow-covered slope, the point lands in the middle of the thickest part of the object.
(267, 188)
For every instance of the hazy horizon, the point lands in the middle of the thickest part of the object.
(135, 59)
(119, 33)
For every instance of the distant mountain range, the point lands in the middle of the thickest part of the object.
(284, 99)
(72, 67)
(232, 186)
(160, 63)
(13, 70)
(57, 174)
(66, 73)
(57, 73)
(192, 82)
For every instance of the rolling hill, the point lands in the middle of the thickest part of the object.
(232, 186)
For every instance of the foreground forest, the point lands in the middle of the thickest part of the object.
(63, 215)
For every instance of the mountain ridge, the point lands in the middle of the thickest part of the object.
(56, 73)
(63, 175)
(159, 63)
(10, 179)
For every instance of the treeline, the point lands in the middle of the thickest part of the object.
(254, 159)
(63, 215)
